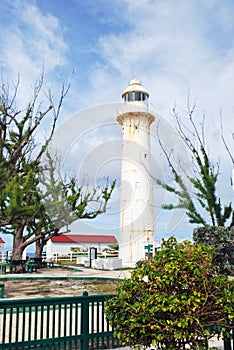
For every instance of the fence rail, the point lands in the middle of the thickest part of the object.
(56, 323)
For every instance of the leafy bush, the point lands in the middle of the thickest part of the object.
(222, 240)
(174, 300)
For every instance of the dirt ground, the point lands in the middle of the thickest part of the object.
(47, 288)
(51, 288)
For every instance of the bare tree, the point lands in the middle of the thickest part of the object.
(29, 210)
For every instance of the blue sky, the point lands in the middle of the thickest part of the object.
(175, 47)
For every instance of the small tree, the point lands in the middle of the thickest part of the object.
(195, 188)
(174, 300)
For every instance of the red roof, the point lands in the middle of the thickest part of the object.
(1, 241)
(69, 238)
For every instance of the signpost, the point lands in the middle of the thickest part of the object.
(149, 248)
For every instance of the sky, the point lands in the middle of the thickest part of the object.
(176, 48)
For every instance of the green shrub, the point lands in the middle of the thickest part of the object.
(222, 240)
(176, 299)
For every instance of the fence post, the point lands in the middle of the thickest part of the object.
(85, 321)
(1, 290)
(227, 344)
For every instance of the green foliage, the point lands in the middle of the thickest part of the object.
(222, 240)
(174, 300)
(195, 188)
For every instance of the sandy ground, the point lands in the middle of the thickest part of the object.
(35, 285)
(37, 289)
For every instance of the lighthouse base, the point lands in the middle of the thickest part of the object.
(139, 250)
(130, 265)
(130, 254)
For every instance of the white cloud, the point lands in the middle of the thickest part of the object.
(30, 40)
(174, 49)
(46, 37)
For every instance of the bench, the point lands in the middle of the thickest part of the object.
(48, 264)
(5, 267)
(17, 266)
(31, 267)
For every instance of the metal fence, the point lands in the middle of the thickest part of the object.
(60, 323)
(56, 323)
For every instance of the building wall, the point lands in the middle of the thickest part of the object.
(65, 248)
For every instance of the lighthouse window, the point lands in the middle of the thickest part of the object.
(131, 96)
(137, 96)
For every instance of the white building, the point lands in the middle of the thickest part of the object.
(137, 212)
(62, 244)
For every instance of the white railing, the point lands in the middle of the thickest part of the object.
(73, 256)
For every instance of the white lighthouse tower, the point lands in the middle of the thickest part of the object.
(136, 209)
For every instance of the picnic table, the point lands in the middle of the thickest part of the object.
(41, 263)
(18, 266)
(24, 266)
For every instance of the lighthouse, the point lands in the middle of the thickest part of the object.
(136, 239)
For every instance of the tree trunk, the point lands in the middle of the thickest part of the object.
(18, 243)
(42, 241)
(39, 248)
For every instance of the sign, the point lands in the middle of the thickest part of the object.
(148, 246)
